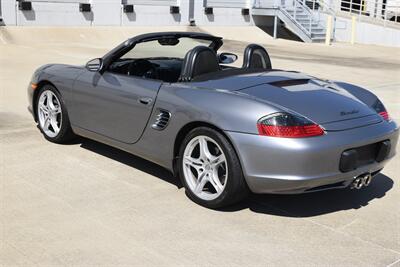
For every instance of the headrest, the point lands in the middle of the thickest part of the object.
(200, 60)
(256, 57)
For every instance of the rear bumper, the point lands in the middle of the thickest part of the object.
(289, 166)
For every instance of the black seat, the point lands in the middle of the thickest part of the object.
(200, 60)
(256, 57)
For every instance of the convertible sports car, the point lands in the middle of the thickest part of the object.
(170, 98)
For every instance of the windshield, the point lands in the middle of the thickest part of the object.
(173, 48)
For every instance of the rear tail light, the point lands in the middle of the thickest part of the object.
(381, 110)
(288, 125)
(384, 115)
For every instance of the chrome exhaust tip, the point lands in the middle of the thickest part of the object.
(367, 179)
(357, 183)
(360, 181)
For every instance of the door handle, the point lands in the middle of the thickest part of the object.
(145, 100)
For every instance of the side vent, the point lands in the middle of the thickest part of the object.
(162, 120)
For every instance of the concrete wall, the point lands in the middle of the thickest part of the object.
(110, 12)
(157, 12)
(106, 37)
(221, 15)
(366, 33)
(56, 14)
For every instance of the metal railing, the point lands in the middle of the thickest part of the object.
(323, 6)
(296, 8)
(305, 14)
(367, 10)
(385, 12)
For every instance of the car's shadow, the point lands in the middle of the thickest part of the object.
(129, 159)
(317, 203)
(304, 205)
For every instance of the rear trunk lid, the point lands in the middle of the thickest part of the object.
(330, 106)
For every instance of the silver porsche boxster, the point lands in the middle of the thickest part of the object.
(173, 99)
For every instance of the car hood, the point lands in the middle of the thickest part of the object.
(321, 101)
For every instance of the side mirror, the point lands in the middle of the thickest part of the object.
(227, 58)
(94, 64)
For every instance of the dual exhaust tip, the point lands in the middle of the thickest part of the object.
(361, 181)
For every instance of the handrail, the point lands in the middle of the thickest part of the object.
(364, 10)
(308, 33)
(312, 14)
(301, 4)
(326, 9)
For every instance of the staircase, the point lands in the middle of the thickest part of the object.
(315, 31)
(297, 16)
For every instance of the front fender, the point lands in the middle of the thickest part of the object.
(59, 75)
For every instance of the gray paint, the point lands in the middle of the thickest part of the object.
(321, 105)
(105, 108)
(109, 104)
(283, 165)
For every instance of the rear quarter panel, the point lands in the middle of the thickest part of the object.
(225, 110)
(228, 110)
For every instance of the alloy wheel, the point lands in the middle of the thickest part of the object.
(49, 113)
(205, 168)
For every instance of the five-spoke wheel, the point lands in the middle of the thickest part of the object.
(49, 113)
(210, 169)
(205, 167)
(52, 116)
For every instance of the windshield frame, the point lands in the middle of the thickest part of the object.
(123, 48)
(149, 49)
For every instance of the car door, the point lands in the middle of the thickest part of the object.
(114, 105)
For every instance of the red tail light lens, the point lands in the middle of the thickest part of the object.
(288, 125)
(381, 110)
(384, 115)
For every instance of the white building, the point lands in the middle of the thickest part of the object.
(307, 19)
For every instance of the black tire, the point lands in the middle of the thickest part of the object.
(235, 188)
(65, 134)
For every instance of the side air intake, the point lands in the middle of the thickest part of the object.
(162, 120)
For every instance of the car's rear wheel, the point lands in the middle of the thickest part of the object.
(210, 169)
(52, 115)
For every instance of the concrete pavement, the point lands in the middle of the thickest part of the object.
(89, 204)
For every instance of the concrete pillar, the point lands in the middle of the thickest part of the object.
(186, 9)
(379, 11)
(328, 35)
(353, 29)
(8, 12)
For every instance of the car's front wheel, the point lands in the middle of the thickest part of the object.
(52, 115)
(210, 169)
